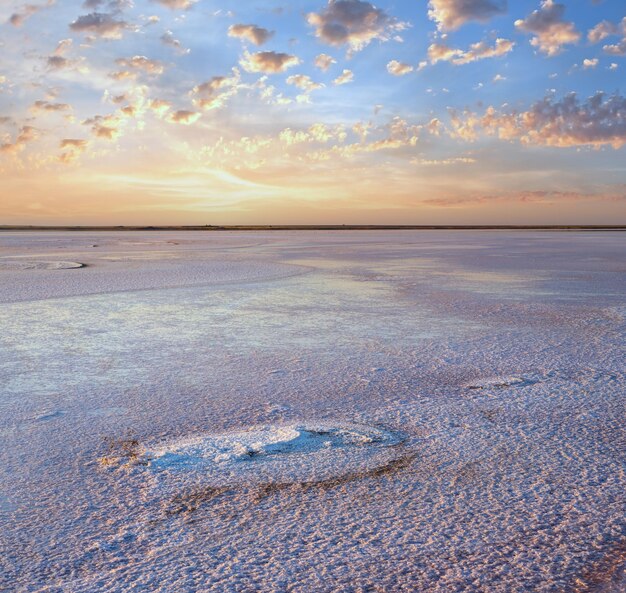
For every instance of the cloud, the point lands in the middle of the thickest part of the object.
(270, 62)
(72, 148)
(459, 160)
(607, 194)
(598, 121)
(324, 62)
(141, 63)
(214, 93)
(176, 4)
(354, 23)
(438, 52)
(184, 117)
(101, 25)
(58, 62)
(252, 33)
(68, 142)
(50, 107)
(344, 78)
(452, 14)
(104, 126)
(602, 31)
(550, 31)
(113, 5)
(63, 46)
(304, 83)
(616, 49)
(26, 134)
(398, 68)
(17, 19)
(160, 107)
(590, 63)
(121, 75)
(168, 39)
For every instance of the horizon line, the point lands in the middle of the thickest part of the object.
(314, 227)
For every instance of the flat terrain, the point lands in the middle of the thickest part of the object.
(329, 411)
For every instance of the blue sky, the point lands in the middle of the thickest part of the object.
(448, 111)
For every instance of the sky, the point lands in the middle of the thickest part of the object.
(312, 112)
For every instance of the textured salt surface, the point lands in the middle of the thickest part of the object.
(18, 264)
(118, 264)
(498, 358)
(270, 455)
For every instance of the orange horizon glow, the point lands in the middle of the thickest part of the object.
(401, 116)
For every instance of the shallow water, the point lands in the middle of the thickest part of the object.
(498, 356)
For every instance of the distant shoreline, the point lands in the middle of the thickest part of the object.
(296, 227)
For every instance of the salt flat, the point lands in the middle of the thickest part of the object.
(312, 411)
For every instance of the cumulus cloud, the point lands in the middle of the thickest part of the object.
(439, 52)
(141, 63)
(106, 127)
(398, 68)
(214, 93)
(598, 121)
(26, 135)
(601, 31)
(617, 49)
(58, 60)
(353, 23)
(550, 31)
(72, 148)
(184, 117)
(269, 62)
(590, 63)
(344, 78)
(324, 62)
(304, 83)
(452, 14)
(102, 25)
(160, 107)
(254, 34)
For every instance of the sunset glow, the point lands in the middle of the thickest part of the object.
(266, 112)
